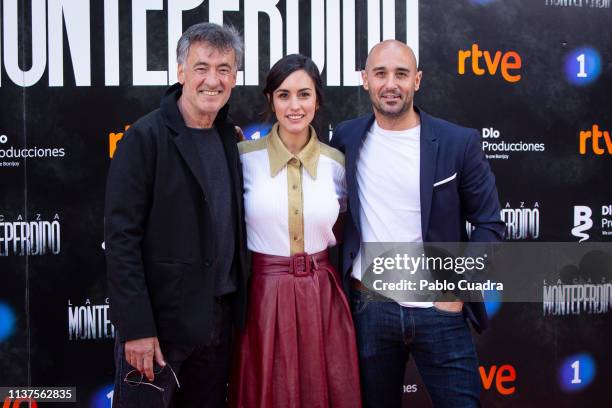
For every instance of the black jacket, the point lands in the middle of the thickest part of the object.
(159, 233)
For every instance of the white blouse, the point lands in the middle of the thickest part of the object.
(291, 201)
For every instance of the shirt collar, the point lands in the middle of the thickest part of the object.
(279, 155)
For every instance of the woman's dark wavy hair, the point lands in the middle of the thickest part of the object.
(285, 67)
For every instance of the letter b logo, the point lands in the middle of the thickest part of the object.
(582, 222)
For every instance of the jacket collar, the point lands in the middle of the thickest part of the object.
(427, 131)
(279, 155)
(172, 115)
(186, 145)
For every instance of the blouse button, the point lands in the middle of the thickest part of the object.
(294, 187)
(295, 238)
(296, 212)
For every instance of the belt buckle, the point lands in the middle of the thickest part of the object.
(300, 264)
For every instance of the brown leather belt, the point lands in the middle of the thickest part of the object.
(302, 264)
(357, 285)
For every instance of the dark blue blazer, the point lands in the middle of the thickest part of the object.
(446, 149)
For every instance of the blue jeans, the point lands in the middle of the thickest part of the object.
(440, 343)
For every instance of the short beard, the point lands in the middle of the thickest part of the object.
(379, 108)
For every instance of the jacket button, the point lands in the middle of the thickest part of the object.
(207, 263)
(352, 255)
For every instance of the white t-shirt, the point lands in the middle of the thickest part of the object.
(388, 180)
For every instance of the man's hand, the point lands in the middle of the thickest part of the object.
(139, 354)
(456, 306)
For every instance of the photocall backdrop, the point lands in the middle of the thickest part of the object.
(534, 76)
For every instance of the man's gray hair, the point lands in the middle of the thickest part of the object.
(222, 38)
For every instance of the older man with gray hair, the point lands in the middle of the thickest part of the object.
(175, 237)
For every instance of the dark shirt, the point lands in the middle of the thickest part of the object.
(218, 194)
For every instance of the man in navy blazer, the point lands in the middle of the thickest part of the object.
(412, 178)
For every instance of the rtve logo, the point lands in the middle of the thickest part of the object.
(504, 377)
(113, 139)
(506, 62)
(595, 135)
(19, 403)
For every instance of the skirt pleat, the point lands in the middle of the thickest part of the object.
(298, 348)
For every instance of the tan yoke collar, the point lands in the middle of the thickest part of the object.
(279, 155)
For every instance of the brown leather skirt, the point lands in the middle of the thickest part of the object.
(298, 349)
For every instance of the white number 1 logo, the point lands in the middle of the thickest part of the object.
(110, 397)
(576, 367)
(581, 73)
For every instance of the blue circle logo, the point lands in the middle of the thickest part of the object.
(256, 131)
(582, 66)
(577, 372)
(492, 301)
(7, 321)
(483, 2)
(103, 397)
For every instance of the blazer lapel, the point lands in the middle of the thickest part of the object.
(182, 138)
(188, 151)
(429, 154)
(352, 149)
(227, 133)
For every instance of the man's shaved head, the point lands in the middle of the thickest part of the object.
(390, 44)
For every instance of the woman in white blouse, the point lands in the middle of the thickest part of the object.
(298, 349)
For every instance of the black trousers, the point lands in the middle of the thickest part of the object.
(202, 371)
